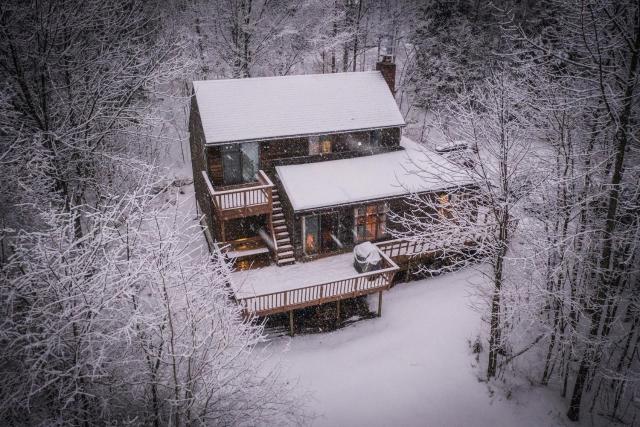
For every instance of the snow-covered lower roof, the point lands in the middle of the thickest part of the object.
(236, 110)
(380, 176)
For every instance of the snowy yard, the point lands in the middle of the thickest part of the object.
(412, 366)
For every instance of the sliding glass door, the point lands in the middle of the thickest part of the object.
(240, 162)
(326, 233)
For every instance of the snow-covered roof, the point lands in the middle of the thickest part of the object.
(286, 106)
(380, 176)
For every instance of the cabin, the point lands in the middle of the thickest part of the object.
(291, 172)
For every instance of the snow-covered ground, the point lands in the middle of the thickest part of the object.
(412, 366)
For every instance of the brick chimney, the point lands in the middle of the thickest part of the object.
(386, 64)
(388, 69)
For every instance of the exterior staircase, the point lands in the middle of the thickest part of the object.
(284, 254)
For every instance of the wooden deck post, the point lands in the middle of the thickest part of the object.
(379, 303)
(291, 322)
(224, 237)
(338, 315)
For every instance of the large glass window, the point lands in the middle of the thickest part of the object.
(326, 233)
(311, 234)
(250, 160)
(240, 162)
(374, 137)
(370, 222)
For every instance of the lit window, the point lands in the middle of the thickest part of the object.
(325, 146)
(370, 222)
(311, 234)
(320, 145)
(443, 206)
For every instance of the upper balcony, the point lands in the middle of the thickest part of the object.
(239, 201)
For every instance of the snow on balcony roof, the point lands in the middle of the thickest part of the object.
(236, 110)
(380, 176)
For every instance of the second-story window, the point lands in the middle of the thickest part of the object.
(240, 162)
(320, 145)
(374, 137)
(326, 146)
(314, 145)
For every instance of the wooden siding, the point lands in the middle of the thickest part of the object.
(296, 150)
(397, 205)
(281, 149)
(198, 164)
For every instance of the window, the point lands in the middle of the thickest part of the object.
(311, 234)
(320, 145)
(326, 146)
(370, 222)
(314, 145)
(240, 162)
(250, 160)
(326, 233)
(444, 211)
(374, 137)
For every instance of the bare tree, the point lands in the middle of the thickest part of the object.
(475, 217)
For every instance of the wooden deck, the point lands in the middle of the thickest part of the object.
(242, 200)
(351, 286)
(402, 251)
(396, 254)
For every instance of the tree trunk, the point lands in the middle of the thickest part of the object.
(605, 259)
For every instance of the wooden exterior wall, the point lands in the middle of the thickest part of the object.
(398, 205)
(296, 150)
(197, 149)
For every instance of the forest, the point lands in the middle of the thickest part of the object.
(113, 313)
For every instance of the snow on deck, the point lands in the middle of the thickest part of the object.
(269, 107)
(267, 280)
(345, 181)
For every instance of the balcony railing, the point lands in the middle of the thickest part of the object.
(321, 293)
(473, 236)
(242, 200)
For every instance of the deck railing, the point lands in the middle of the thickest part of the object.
(408, 248)
(321, 293)
(248, 199)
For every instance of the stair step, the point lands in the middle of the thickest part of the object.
(282, 234)
(278, 221)
(287, 254)
(285, 261)
(281, 227)
(283, 241)
(285, 248)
